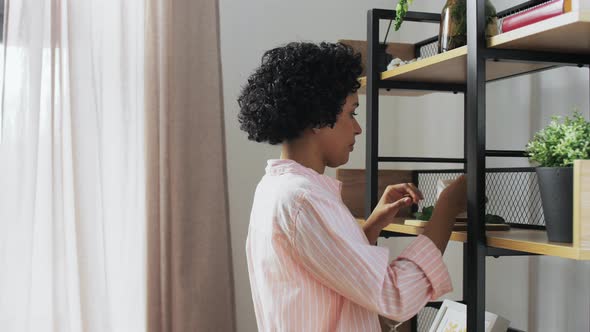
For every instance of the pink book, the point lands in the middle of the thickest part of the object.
(535, 14)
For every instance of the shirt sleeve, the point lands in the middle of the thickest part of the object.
(326, 240)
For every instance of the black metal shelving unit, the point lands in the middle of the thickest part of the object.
(474, 90)
(1, 20)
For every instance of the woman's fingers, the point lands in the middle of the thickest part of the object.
(393, 208)
(416, 190)
(396, 191)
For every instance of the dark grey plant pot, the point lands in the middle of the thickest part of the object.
(556, 186)
(383, 58)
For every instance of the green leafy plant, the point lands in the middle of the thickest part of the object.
(425, 214)
(459, 15)
(494, 219)
(561, 142)
(400, 12)
(458, 34)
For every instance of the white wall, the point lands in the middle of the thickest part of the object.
(536, 294)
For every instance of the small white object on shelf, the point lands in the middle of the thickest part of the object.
(397, 62)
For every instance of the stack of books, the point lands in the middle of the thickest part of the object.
(460, 226)
(541, 12)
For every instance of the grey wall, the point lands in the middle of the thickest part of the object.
(536, 294)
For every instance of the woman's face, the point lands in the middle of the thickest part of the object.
(336, 143)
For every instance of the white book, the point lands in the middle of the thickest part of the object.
(576, 5)
(452, 316)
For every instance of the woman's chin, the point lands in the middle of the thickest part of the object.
(340, 162)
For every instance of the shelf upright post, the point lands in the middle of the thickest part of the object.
(465, 248)
(372, 123)
(475, 123)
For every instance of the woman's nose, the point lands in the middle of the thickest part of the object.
(357, 128)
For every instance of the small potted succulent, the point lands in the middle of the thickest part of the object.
(555, 148)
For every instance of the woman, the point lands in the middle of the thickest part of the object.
(311, 266)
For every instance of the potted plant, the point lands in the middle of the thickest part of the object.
(453, 25)
(555, 148)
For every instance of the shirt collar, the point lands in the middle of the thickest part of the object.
(288, 166)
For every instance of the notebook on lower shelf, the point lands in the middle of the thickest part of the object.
(459, 226)
(452, 316)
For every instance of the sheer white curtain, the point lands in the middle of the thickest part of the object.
(72, 167)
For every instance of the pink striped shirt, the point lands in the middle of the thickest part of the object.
(312, 268)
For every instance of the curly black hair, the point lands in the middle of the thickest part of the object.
(298, 86)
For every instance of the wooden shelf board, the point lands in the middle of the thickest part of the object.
(392, 92)
(451, 67)
(535, 241)
(397, 226)
(569, 32)
(440, 68)
(525, 240)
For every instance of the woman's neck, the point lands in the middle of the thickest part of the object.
(305, 153)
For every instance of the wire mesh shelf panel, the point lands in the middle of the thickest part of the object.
(512, 193)
(428, 50)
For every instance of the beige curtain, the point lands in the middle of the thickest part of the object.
(190, 286)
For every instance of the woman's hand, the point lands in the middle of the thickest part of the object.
(454, 197)
(394, 198)
(451, 202)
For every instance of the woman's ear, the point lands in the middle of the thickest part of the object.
(315, 130)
